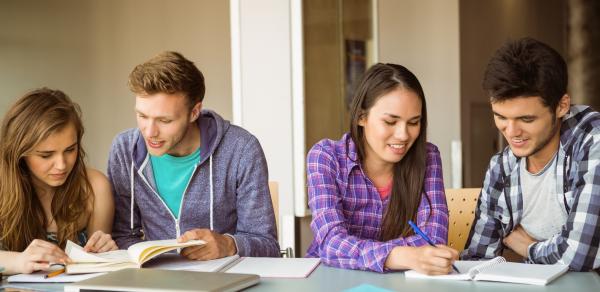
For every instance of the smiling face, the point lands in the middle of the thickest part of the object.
(167, 123)
(51, 161)
(530, 128)
(391, 127)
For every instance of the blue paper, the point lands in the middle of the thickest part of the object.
(367, 288)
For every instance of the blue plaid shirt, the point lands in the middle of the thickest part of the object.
(500, 207)
(348, 211)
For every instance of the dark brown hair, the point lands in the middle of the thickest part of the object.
(171, 73)
(526, 67)
(409, 173)
(32, 119)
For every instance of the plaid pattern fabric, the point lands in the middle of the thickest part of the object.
(500, 206)
(348, 211)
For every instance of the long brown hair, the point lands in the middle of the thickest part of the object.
(32, 119)
(409, 173)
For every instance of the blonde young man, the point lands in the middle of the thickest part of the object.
(187, 173)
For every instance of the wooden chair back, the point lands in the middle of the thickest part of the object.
(461, 207)
(286, 252)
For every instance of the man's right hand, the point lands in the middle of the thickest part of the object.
(38, 256)
(217, 245)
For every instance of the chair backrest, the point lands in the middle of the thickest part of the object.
(461, 207)
(274, 190)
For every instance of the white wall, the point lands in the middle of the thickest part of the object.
(87, 49)
(262, 80)
(484, 27)
(424, 37)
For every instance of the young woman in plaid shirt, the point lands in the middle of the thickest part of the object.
(364, 188)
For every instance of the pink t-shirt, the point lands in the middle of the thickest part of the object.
(385, 191)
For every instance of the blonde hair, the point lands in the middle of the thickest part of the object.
(168, 72)
(32, 119)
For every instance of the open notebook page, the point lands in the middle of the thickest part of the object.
(38, 277)
(522, 273)
(465, 268)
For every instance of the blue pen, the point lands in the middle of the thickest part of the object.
(420, 233)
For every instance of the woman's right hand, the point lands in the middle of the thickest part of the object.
(426, 259)
(39, 255)
(436, 260)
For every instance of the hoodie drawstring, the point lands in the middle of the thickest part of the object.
(132, 194)
(210, 175)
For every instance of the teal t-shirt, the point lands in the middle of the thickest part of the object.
(172, 175)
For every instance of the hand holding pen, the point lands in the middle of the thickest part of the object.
(38, 256)
(426, 238)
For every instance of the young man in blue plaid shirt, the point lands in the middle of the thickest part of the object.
(541, 194)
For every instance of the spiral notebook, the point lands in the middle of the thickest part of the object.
(499, 270)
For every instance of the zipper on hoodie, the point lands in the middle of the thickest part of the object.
(177, 228)
(158, 196)
(141, 174)
(183, 198)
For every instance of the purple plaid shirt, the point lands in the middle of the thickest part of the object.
(348, 211)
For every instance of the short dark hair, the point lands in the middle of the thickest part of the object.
(526, 67)
(168, 72)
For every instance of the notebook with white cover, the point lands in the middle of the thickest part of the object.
(178, 262)
(38, 277)
(498, 270)
(275, 267)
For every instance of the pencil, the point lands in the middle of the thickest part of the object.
(55, 273)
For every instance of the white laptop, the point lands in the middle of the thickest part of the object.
(134, 280)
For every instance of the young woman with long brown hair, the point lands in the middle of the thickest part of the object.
(47, 196)
(364, 188)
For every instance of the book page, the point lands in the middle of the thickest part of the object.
(78, 255)
(84, 268)
(145, 250)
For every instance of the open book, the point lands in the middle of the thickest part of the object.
(497, 269)
(136, 255)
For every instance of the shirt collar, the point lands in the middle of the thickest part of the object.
(351, 152)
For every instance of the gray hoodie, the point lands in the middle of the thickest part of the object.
(228, 191)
